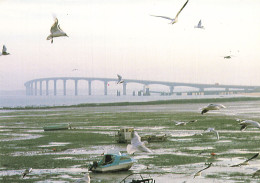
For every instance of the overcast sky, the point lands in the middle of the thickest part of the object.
(109, 37)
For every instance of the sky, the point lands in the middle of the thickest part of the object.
(113, 37)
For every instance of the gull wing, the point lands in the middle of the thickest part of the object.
(130, 149)
(216, 134)
(181, 9)
(236, 165)
(143, 148)
(136, 139)
(60, 28)
(204, 111)
(253, 157)
(243, 127)
(197, 173)
(55, 26)
(221, 106)
(119, 77)
(163, 17)
(178, 123)
(243, 163)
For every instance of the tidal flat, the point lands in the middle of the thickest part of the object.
(62, 156)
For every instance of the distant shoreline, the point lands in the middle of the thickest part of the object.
(157, 102)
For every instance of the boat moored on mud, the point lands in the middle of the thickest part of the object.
(112, 162)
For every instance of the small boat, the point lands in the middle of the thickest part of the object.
(112, 162)
(57, 127)
(140, 180)
(124, 135)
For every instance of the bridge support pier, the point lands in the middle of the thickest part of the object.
(76, 87)
(31, 88)
(171, 89)
(47, 87)
(40, 88)
(105, 87)
(89, 87)
(124, 88)
(35, 88)
(55, 87)
(64, 87)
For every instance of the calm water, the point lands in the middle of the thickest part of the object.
(21, 100)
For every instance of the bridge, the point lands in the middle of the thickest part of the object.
(32, 85)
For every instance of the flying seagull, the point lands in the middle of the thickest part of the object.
(245, 123)
(85, 179)
(56, 31)
(212, 107)
(119, 81)
(173, 20)
(199, 172)
(27, 171)
(209, 130)
(4, 51)
(137, 145)
(245, 162)
(199, 25)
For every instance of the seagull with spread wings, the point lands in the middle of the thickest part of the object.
(137, 145)
(245, 123)
(212, 107)
(246, 162)
(199, 172)
(173, 20)
(119, 80)
(56, 31)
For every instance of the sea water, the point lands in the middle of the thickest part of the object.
(23, 100)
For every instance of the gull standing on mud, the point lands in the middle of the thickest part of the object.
(119, 81)
(4, 51)
(173, 20)
(212, 107)
(137, 145)
(245, 123)
(85, 179)
(209, 130)
(199, 25)
(56, 31)
(199, 172)
(27, 171)
(245, 162)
